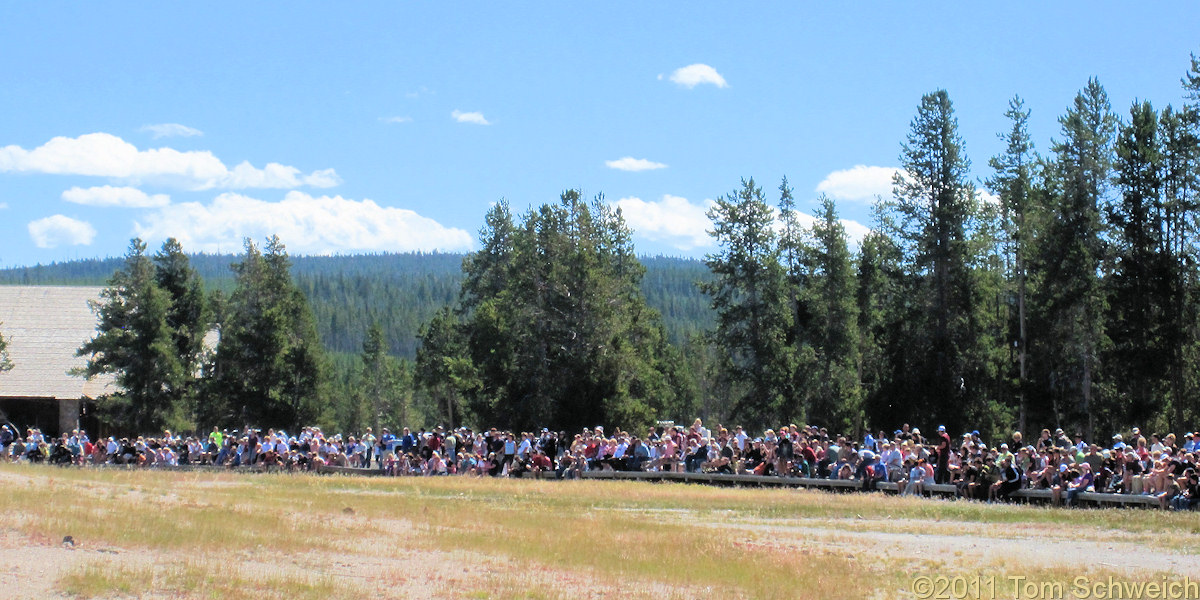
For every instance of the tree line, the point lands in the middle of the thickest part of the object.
(1065, 297)
(398, 291)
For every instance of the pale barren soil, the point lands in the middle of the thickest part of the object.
(212, 535)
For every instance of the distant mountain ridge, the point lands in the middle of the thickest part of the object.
(401, 291)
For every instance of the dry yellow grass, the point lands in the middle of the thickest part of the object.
(483, 538)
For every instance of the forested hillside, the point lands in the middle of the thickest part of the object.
(399, 291)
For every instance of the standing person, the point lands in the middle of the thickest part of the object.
(943, 455)
(367, 440)
(387, 443)
(510, 448)
(6, 438)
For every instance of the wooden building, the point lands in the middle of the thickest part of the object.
(44, 327)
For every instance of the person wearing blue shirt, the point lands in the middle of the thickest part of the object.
(408, 442)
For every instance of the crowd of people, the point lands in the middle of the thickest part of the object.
(1162, 466)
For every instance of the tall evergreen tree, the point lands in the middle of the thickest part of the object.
(188, 316)
(1141, 272)
(269, 364)
(1181, 199)
(794, 255)
(749, 296)
(836, 390)
(444, 370)
(554, 326)
(382, 376)
(135, 343)
(1013, 183)
(934, 202)
(1071, 254)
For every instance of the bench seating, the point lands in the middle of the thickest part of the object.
(943, 489)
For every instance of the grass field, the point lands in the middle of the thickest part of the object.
(216, 535)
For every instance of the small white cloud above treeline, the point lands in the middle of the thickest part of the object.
(630, 163)
(855, 231)
(697, 74)
(61, 230)
(306, 224)
(162, 130)
(107, 195)
(106, 155)
(469, 117)
(860, 183)
(673, 220)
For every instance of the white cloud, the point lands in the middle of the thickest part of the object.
(469, 117)
(3, 205)
(860, 183)
(672, 220)
(694, 75)
(307, 224)
(396, 120)
(162, 130)
(855, 231)
(630, 163)
(60, 230)
(106, 155)
(988, 197)
(115, 196)
(421, 91)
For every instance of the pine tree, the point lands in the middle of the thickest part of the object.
(188, 317)
(749, 296)
(1071, 254)
(934, 202)
(443, 369)
(794, 254)
(269, 367)
(552, 328)
(1140, 279)
(837, 393)
(1013, 182)
(880, 301)
(382, 377)
(1181, 199)
(135, 343)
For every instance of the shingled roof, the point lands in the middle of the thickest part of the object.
(44, 326)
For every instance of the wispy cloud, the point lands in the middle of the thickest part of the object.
(307, 224)
(162, 130)
(860, 183)
(396, 119)
(855, 231)
(61, 230)
(107, 195)
(421, 91)
(630, 163)
(694, 75)
(469, 117)
(106, 155)
(673, 220)
(3, 205)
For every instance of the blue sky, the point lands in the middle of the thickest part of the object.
(367, 127)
